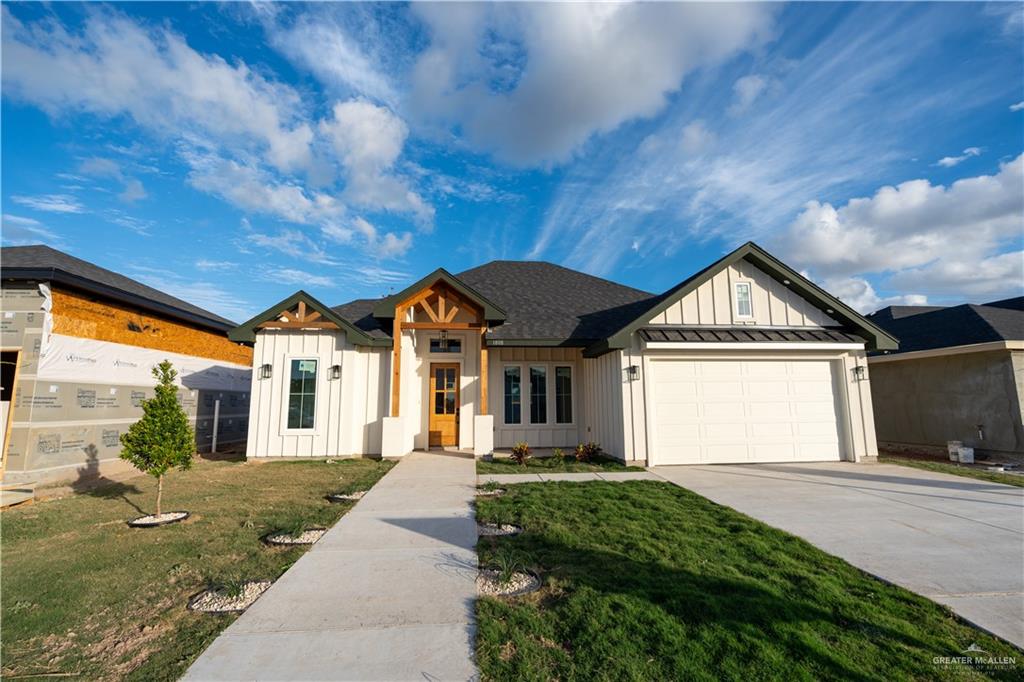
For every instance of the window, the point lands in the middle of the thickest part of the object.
(744, 305)
(446, 346)
(563, 395)
(302, 394)
(538, 395)
(513, 396)
(445, 390)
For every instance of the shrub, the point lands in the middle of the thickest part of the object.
(559, 455)
(507, 562)
(587, 452)
(520, 453)
(162, 439)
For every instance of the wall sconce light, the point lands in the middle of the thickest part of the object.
(633, 372)
(335, 371)
(266, 371)
(860, 372)
(444, 340)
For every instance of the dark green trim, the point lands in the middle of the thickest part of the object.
(246, 332)
(386, 308)
(878, 338)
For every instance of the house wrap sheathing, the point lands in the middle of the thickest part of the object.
(84, 359)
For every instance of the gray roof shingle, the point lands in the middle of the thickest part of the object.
(959, 325)
(40, 262)
(543, 301)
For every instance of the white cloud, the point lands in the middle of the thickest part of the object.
(214, 265)
(376, 275)
(532, 82)
(299, 277)
(860, 295)
(923, 238)
(108, 168)
(51, 203)
(21, 230)
(950, 161)
(1018, 106)
(696, 138)
(369, 139)
(206, 295)
(292, 243)
(745, 91)
(116, 66)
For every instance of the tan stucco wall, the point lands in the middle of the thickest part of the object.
(929, 401)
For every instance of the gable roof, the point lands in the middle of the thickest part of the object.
(1015, 303)
(43, 263)
(385, 308)
(552, 305)
(960, 325)
(877, 337)
(246, 332)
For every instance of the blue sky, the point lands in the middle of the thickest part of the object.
(230, 154)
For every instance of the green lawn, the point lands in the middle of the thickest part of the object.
(647, 581)
(86, 596)
(550, 465)
(955, 469)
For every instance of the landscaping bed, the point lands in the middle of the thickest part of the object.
(976, 471)
(644, 580)
(550, 465)
(86, 596)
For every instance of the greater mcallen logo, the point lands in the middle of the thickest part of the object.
(976, 657)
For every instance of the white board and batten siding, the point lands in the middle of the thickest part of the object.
(348, 410)
(549, 435)
(774, 304)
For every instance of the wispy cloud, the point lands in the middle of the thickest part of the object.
(298, 277)
(21, 230)
(950, 161)
(215, 265)
(206, 295)
(1018, 106)
(108, 168)
(51, 203)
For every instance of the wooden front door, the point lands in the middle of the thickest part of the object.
(444, 404)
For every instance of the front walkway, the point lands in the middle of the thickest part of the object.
(956, 540)
(387, 594)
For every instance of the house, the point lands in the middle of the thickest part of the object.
(78, 344)
(958, 375)
(745, 361)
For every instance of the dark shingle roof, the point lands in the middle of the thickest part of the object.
(898, 312)
(959, 325)
(1015, 303)
(746, 335)
(543, 301)
(40, 262)
(548, 301)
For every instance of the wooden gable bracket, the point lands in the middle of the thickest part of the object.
(298, 318)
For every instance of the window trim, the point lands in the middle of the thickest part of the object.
(286, 395)
(572, 393)
(543, 367)
(447, 354)
(504, 395)
(736, 299)
(525, 396)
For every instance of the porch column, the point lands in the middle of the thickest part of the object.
(483, 372)
(396, 361)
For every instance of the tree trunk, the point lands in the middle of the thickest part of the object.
(159, 492)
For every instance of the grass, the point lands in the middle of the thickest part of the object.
(648, 581)
(86, 596)
(551, 465)
(956, 470)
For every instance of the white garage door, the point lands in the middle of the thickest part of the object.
(736, 411)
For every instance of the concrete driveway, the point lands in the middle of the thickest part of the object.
(956, 540)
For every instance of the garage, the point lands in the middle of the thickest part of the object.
(733, 411)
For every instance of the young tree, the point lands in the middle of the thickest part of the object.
(162, 438)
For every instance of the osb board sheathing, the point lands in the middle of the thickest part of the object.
(77, 315)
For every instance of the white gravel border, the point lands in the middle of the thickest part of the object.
(211, 601)
(488, 585)
(307, 538)
(347, 497)
(494, 529)
(154, 520)
(491, 493)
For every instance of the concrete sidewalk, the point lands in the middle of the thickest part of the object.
(506, 479)
(387, 594)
